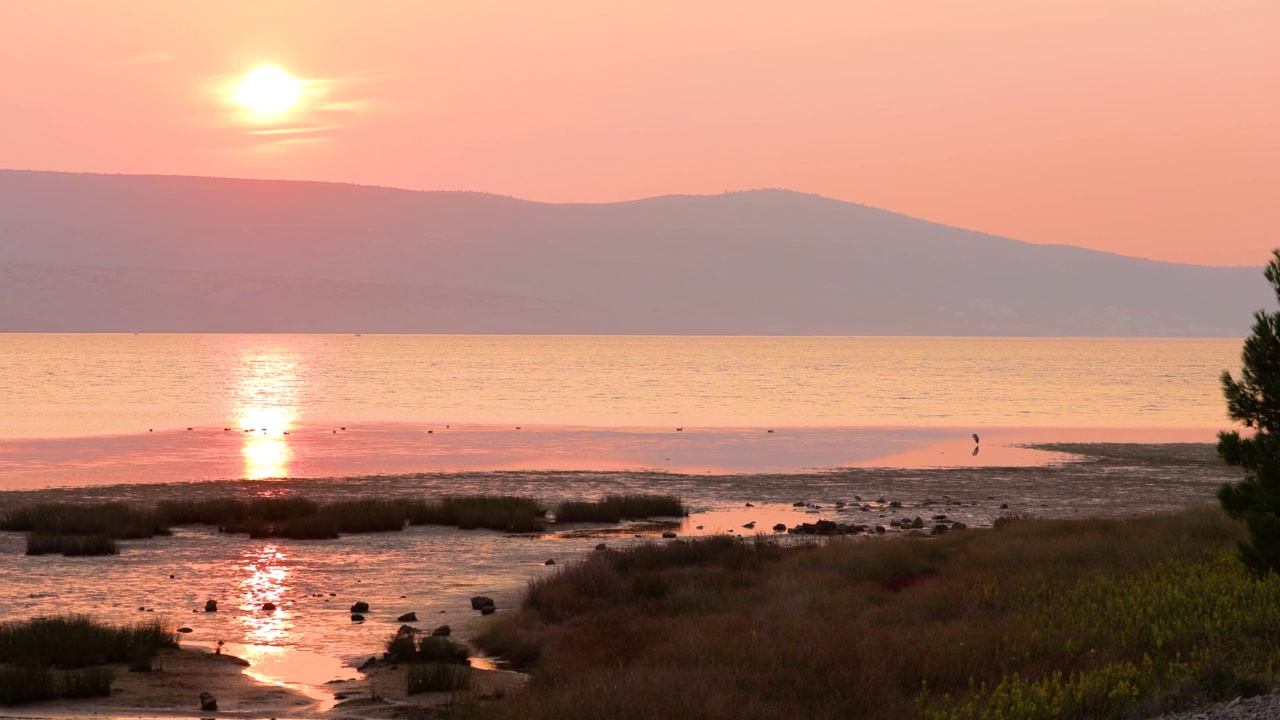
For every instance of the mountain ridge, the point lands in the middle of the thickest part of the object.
(766, 261)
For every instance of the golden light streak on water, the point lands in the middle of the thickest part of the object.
(267, 386)
(265, 581)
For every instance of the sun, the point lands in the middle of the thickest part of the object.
(268, 91)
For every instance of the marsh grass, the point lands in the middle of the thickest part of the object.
(19, 685)
(304, 519)
(48, 658)
(88, 682)
(437, 677)
(506, 513)
(77, 641)
(40, 543)
(1037, 619)
(119, 521)
(614, 508)
(87, 529)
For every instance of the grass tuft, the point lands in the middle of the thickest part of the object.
(437, 677)
(408, 648)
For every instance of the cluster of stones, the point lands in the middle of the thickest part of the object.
(830, 527)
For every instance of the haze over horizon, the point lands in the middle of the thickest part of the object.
(1144, 129)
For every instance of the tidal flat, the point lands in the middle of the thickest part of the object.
(309, 644)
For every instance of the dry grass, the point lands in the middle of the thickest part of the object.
(1038, 618)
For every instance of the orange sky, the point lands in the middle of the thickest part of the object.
(1145, 127)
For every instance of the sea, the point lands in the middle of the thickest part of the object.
(749, 431)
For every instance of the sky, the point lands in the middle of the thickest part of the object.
(1142, 127)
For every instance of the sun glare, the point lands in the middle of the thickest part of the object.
(268, 91)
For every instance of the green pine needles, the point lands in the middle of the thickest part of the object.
(1254, 401)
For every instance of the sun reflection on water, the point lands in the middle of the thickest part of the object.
(266, 582)
(266, 390)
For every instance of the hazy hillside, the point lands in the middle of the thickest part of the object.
(139, 253)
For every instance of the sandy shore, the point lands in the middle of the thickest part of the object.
(173, 690)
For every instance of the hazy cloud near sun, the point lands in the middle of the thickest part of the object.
(323, 107)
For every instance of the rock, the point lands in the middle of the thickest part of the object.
(669, 535)
(601, 546)
(211, 606)
(184, 629)
(939, 529)
(917, 524)
(269, 606)
(340, 696)
(879, 529)
(549, 562)
(371, 662)
(939, 518)
(207, 702)
(442, 631)
(798, 503)
(779, 528)
(479, 602)
(750, 505)
(357, 617)
(958, 526)
(408, 617)
(407, 630)
(895, 523)
(750, 526)
(488, 610)
(1004, 506)
(360, 607)
(895, 504)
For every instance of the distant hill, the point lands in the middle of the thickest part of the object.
(107, 253)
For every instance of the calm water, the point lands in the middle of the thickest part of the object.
(93, 409)
(106, 416)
